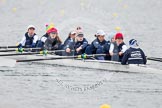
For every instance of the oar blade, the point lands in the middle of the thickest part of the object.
(154, 59)
(6, 62)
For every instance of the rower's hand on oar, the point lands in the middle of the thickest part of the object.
(68, 50)
(83, 56)
(44, 52)
(78, 49)
(111, 53)
(120, 53)
(20, 49)
(19, 45)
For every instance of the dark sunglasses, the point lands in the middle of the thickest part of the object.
(79, 28)
(53, 33)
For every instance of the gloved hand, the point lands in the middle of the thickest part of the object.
(20, 48)
(19, 45)
(44, 52)
(55, 47)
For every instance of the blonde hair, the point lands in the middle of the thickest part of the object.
(58, 38)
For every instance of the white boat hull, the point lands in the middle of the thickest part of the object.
(96, 64)
(92, 64)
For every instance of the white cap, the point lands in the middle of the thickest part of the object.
(100, 32)
(73, 32)
(31, 26)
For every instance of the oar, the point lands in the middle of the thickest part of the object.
(8, 50)
(44, 52)
(20, 50)
(154, 59)
(16, 54)
(83, 56)
(5, 47)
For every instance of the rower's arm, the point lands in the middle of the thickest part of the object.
(125, 58)
(22, 42)
(144, 57)
(85, 43)
(111, 48)
(35, 39)
(43, 39)
(124, 48)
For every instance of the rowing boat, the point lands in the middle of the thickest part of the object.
(92, 64)
(81, 63)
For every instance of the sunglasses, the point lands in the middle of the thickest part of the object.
(79, 28)
(53, 33)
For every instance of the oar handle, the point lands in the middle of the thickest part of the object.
(20, 49)
(83, 56)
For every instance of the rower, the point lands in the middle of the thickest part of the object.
(42, 40)
(69, 43)
(53, 41)
(30, 38)
(110, 38)
(117, 48)
(99, 45)
(134, 55)
(80, 44)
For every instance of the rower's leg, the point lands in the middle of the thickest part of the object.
(100, 51)
(88, 50)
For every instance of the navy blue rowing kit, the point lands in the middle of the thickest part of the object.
(83, 44)
(134, 56)
(98, 47)
(28, 41)
(69, 43)
(42, 40)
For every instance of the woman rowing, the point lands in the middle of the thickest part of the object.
(134, 55)
(42, 40)
(111, 37)
(99, 45)
(51, 40)
(80, 44)
(30, 38)
(117, 48)
(69, 43)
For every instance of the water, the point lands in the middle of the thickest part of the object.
(51, 86)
